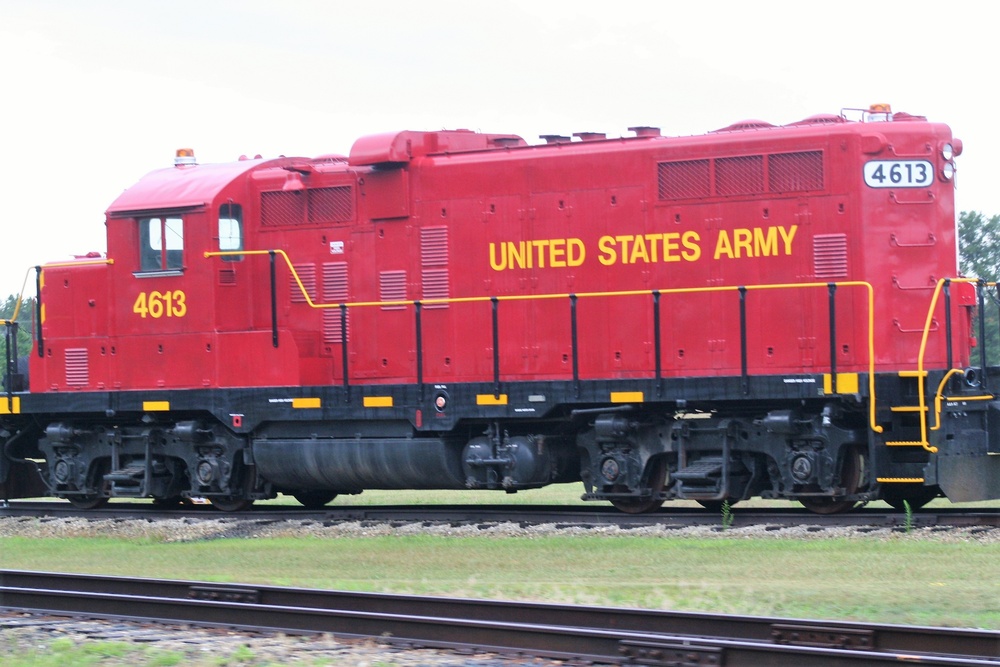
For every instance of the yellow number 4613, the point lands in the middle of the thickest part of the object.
(161, 304)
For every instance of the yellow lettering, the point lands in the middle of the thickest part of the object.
(742, 238)
(765, 244)
(581, 252)
(608, 255)
(498, 265)
(157, 304)
(624, 240)
(787, 237)
(653, 246)
(517, 258)
(639, 251)
(557, 252)
(540, 246)
(691, 240)
(722, 245)
(669, 246)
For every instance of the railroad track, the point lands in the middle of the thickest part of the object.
(589, 634)
(524, 514)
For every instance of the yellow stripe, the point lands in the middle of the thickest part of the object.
(490, 399)
(5, 406)
(306, 403)
(378, 401)
(156, 406)
(847, 383)
(627, 397)
(900, 480)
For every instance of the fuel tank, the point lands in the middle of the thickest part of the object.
(354, 464)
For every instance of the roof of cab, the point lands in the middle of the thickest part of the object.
(183, 187)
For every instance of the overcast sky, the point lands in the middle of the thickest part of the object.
(97, 93)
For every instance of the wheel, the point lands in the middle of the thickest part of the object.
(314, 499)
(88, 502)
(230, 503)
(851, 469)
(657, 480)
(916, 495)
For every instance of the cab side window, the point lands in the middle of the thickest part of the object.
(231, 231)
(161, 244)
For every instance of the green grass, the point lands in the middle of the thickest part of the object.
(63, 652)
(897, 580)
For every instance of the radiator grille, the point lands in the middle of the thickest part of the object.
(684, 180)
(830, 255)
(739, 175)
(282, 209)
(331, 204)
(77, 367)
(795, 172)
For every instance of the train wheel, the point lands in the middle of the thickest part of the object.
(658, 478)
(231, 503)
(916, 495)
(88, 502)
(314, 499)
(851, 470)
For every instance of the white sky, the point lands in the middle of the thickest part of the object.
(97, 93)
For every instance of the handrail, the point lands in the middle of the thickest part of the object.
(578, 295)
(11, 365)
(939, 394)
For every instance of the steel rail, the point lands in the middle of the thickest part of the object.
(527, 515)
(593, 633)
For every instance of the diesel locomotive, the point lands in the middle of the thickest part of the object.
(758, 311)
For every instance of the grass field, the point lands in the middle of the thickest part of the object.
(896, 580)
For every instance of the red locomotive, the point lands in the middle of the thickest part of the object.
(758, 311)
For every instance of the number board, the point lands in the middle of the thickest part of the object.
(899, 174)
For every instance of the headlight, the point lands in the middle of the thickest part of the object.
(948, 171)
(947, 151)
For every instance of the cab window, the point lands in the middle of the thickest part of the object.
(231, 231)
(161, 244)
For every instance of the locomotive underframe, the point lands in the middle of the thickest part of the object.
(635, 443)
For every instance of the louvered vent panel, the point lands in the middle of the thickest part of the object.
(434, 261)
(683, 180)
(227, 277)
(830, 255)
(795, 172)
(335, 290)
(434, 246)
(282, 209)
(739, 175)
(331, 204)
(392, 287)
(307, 274)
(435, 286)
(77, 367)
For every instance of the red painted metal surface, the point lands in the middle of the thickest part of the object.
(453, 218)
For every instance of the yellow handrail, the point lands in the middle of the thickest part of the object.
(939, 394)
(529, 297)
